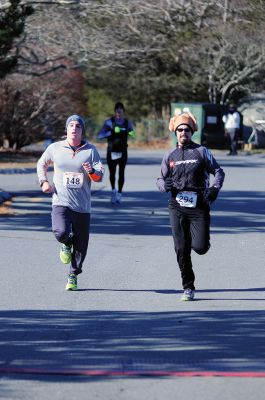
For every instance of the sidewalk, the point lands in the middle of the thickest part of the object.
(4, 195)
(12, 163)
(15, 163)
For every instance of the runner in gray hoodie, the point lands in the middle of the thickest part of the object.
(76, 163)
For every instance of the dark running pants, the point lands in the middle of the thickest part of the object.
(191, 231)
(72, 228)
(232, 139)
(112, 164)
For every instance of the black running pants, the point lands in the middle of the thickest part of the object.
(112, 164)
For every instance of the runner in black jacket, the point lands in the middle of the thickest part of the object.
(117, 129)
(185, 172)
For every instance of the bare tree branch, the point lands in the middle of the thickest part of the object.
(4, 4)
(143, 37)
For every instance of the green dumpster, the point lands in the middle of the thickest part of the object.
(210, 131)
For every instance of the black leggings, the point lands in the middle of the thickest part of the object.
(112, 164)
(191, 231)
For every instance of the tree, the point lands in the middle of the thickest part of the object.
(12, 23)
(30, 107)
(233, 57)
(150, 52)
(139, 40)
(174, 48)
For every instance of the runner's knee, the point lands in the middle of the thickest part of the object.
(202, 249)
(61, 235)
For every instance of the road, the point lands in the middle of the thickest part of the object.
(126, 324)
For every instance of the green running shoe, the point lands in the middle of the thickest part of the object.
(188, 295)
(71, 282)
(66, 254)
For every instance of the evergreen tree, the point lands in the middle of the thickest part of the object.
(12, 22)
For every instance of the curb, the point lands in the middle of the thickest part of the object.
(21, 170)
(4, 196)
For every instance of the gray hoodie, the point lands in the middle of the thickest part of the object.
(71, 183)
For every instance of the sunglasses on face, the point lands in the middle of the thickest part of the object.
(186, 130)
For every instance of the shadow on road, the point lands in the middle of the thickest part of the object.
(238, 212)
(141, 213)
(57, 340)
(241, 162)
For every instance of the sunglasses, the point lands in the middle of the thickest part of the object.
(186, 130)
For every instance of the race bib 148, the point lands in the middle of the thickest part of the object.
(73, 180)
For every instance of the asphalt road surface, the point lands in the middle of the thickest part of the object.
(125, 334)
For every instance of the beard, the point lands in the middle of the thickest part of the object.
(184, 140)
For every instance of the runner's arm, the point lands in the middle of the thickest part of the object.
(105, 131)
(94, 167)
(43, 164)
(131, 131)
(42, 171)
(164, 173)
(214, 168)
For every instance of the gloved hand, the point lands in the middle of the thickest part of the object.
(117, 129)
(168, 184)
(211, 194)
(132, 134)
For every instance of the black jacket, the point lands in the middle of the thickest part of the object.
(190, 168)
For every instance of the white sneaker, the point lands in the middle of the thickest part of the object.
(118, 197)
(113, 196)
(188, 295)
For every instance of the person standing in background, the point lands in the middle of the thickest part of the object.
(117, 129)
(231, 122)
